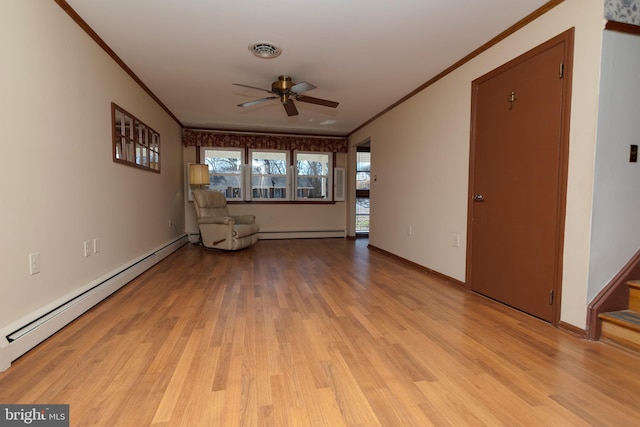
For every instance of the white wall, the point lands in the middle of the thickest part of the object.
(59, 185)
(616, 197)
(420, 155)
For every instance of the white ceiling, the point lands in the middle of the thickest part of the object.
(366, 54)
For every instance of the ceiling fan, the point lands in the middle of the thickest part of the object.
(286, 91)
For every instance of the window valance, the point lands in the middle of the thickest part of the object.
(205, 138)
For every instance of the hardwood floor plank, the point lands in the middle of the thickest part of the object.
(318, 333)
(167, 406)
(350, 399)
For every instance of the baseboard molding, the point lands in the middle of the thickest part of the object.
(287, 234)
(301, 234)
(614, 296)
(422, 268)
(21, 336)
(574, 330)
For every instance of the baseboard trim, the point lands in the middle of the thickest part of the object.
(574, 330)
(419, 267)
(300, 234)
(614, 296)
(21, 336)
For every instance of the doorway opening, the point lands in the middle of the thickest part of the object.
(363, 185)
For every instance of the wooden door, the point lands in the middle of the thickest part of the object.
(518, 180)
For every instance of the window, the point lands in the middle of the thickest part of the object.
(270, 175)
(363, 171)
(225, 171)
(134, 143)
(363, 185)
(312, 175)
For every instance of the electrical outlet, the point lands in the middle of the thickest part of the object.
(456, 240)
(96, 245)
(34, 263)
(87, 248)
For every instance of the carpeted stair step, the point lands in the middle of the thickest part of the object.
(622, 327)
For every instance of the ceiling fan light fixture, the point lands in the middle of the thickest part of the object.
(265, 50)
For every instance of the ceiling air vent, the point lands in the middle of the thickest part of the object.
(265, 50)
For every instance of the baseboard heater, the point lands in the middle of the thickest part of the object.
(300, 234)
(32, 332)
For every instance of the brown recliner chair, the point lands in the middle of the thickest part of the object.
(219, 230)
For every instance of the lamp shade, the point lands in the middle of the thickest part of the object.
(198, 174)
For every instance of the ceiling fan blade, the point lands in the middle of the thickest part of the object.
(257, 101)
(252, 87)
(301, 87)
(290, 108)
(318, 101)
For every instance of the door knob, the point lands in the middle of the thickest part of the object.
(478, 198)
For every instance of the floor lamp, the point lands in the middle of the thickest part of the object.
(198, 174)
(198, 177)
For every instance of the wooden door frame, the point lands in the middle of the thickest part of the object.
(567, 39)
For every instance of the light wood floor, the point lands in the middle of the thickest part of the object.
(318, 333)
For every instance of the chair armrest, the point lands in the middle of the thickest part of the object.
(216, 220)
(245, 219)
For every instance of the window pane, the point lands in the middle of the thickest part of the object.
(269, 187)
(312, 164)
(269, 163)
(225, 172)
(269, 175)
(362, 215)
(312, 188)
(363, 180)
(363, 171)
(224, 161)
(231, 186)
(363, 161)
(312, 175)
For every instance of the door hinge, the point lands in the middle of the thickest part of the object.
(561, 69)
(551, 297)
